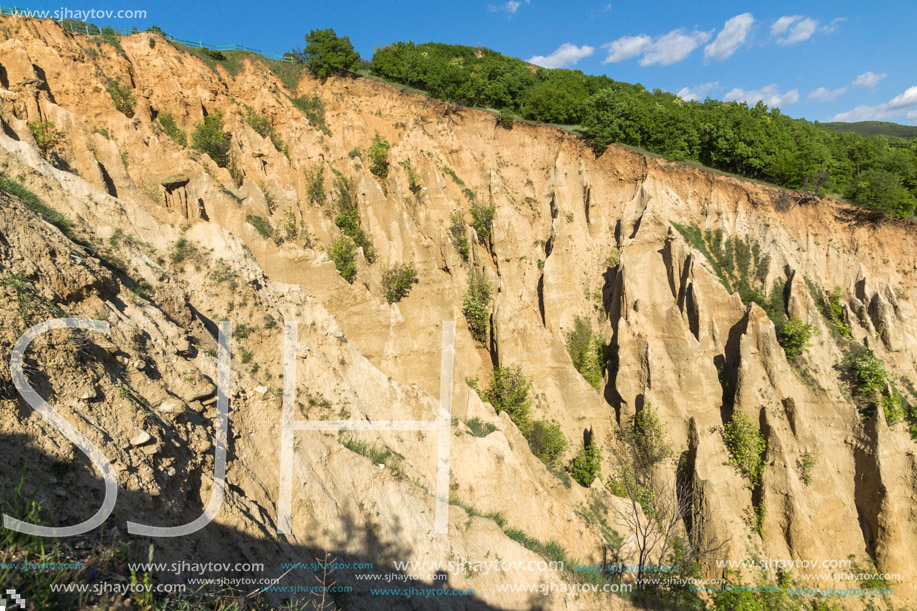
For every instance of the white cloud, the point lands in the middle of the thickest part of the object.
(792, 29)
(893, 108)
(780, 26)
(868, 79)
(664, 50)
(832, 27)
(510, 7)
(673, 47)
(730, 38)
(698, 92)
(566, 54)
(769, 95)
(904, 100)
(823, 94)
(864, 113)
(625, 48)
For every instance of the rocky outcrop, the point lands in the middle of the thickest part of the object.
(176, 196)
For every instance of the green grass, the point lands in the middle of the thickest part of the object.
(34, 203)
(314, 109)
(830, 305)
(553, 550)
(318, 400)
(122, 96)
(479, 428)
(107, 35)
(34, 586)
(261, 226)
(473, 512)
(454, 176)
(547, 442)
(289, 73)
(235, 197)
(183, 250)
(742, 268)
(870, 583)
(233, 61)
(740, 264)
(378, 454)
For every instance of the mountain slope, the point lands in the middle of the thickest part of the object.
(573, 235)
(875, 128)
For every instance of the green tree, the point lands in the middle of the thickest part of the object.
(347, 216)
(397, 281)
(344, 255)
(883, 191)
(616, 115)
(586, 465)
(869, 373)
(327, 54)
(754, 141)
(587, 351)
(547, 442)
(509, 392)
(378, 156)
(746, 447)
(794, 337)
(644, 443)
(476, 306)
(315, 184)
(122, 96)
(835, 308)
(667, 516)
(46, 136)
(457, 231)
(482, 218)
(208, 137)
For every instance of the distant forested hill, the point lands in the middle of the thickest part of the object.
(875, 128)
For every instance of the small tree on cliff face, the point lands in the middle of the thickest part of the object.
(47, 137)
(666, 515)
(208, 137)
(327, 54)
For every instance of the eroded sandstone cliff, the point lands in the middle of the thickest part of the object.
(573, 235)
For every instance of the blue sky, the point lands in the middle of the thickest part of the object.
(823, 61)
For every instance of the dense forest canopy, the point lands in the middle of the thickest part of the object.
(757, 142)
